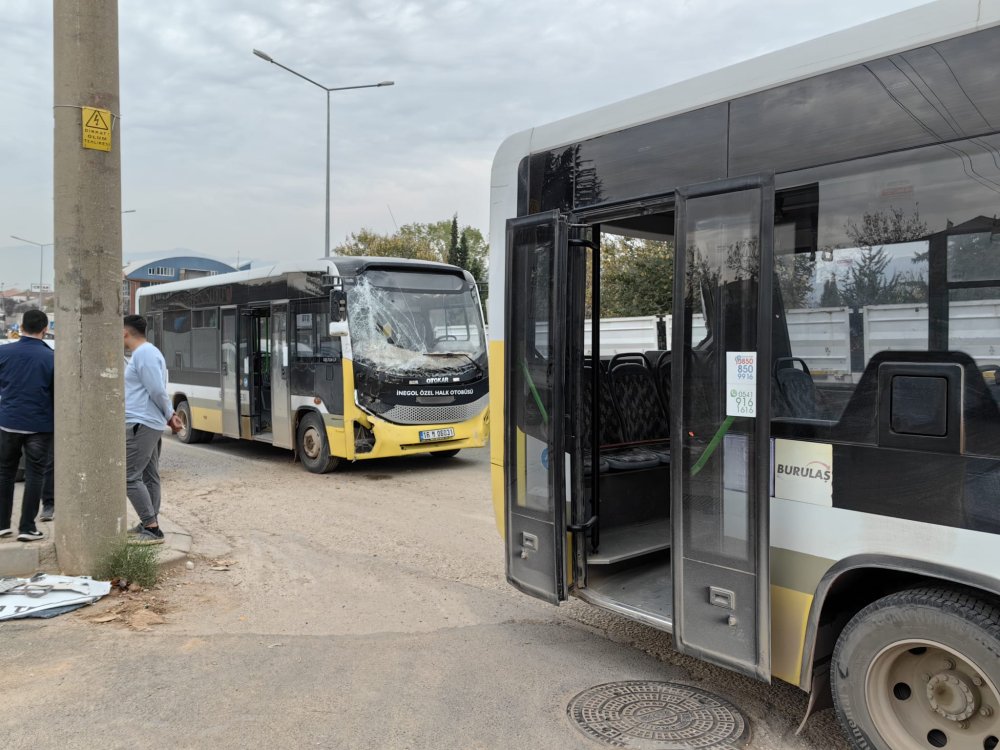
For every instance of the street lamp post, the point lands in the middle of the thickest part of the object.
(264, 56)
(41, 264)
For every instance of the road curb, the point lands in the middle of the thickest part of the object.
(23, 559)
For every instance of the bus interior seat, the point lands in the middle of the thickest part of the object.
(796, 388)
(663, 381)
(614, 453)
(644, 417)
(653, 356)
(587, 422)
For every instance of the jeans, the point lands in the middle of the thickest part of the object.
(37, 448)
(142, 471)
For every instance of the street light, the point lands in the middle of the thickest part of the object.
(41, 264)
(267, 58)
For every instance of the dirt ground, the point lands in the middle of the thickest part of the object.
(364, 608)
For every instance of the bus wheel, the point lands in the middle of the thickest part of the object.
(314, 448)
(446, 454)
(920, 668)
(187, 433)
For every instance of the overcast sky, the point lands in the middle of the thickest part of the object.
(223, 154)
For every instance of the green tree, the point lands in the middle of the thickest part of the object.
(453, 256)
(462, 252)
(637, 276)
(403, 244)
(432, 241)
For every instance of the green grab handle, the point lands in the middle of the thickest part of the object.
(534, 392)
(712, 445)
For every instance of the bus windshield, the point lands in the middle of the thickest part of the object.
(415, 322)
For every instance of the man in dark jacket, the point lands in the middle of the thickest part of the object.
(26, 417)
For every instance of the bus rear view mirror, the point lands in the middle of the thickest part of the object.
(338, 328)
(338, 305)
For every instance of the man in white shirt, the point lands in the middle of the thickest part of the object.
(148, 412)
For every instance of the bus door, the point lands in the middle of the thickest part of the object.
(255, 373)
(539, 390)
(230, 373)
(281, 420)
(720, 433)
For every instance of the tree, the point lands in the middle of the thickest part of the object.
(443, 240)
(831, 296)
(404, 244)
(796, 277)
(453, 257)
(462, 252)
(637, 276)
(867, 282)
(885, 227)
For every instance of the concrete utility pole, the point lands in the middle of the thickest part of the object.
(90, 410)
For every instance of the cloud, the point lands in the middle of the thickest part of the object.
(225, 154)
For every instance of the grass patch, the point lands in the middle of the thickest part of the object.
(133, 563)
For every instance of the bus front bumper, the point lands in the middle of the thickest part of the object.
(397, 439)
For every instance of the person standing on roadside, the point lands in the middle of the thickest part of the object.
(148, 412)
(27, 370)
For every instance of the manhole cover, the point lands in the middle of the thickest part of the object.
(658, 716)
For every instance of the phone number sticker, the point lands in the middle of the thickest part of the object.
(741, 384)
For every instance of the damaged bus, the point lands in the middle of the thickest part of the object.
(804, 484)
(340, 360)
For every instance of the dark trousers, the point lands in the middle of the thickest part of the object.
(37, 450)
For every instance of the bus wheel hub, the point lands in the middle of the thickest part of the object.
(952, 696)
(310, 444)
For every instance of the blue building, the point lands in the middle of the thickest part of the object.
(178, 268)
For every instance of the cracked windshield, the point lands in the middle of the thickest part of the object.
(409, 323)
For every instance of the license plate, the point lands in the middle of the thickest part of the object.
(444, 433)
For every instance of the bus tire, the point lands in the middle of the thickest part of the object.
(187, 433)
(446, 454)
(313, 445)
(920, 668)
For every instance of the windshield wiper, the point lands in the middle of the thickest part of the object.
(479, 370)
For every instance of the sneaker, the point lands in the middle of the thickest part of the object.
(6, 532)
(147, 536)
(137, 529)
(29, 536)
(47, 514)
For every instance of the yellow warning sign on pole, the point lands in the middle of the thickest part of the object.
(96, 128)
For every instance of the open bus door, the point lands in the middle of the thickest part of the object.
(720, 430)
(538, 389)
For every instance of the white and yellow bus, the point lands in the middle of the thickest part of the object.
(344, 359)
(806, 484)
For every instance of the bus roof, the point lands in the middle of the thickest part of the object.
(336, 265)
(925, 24)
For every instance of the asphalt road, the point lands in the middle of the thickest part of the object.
(362, 609)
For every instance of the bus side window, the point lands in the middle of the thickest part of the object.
(313, 342)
